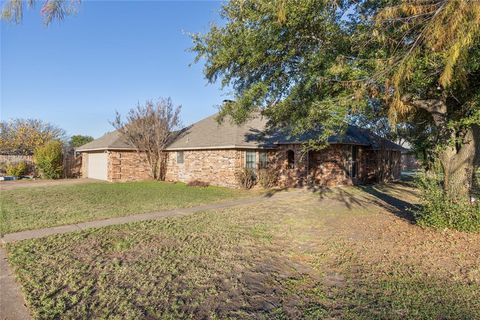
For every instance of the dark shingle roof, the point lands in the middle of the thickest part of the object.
(209, 134)
(352, 135)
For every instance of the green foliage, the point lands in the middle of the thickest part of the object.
(79, 140)
(317, 64)
(49, 159)
(17, 169)
(285, 58)
(267, 178)
(246, 178)
(22, 136)
(439, 211)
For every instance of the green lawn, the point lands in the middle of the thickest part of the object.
(30, 208)
(341, 256)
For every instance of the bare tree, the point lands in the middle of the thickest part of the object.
(149, 128)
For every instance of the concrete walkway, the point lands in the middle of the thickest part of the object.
(12, 303)
(40, 233)
(17, 184)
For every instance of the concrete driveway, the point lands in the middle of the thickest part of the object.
(10, 185)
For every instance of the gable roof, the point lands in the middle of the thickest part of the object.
(109, 141)
(209, 134)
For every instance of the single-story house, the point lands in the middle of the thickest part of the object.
(214, 152)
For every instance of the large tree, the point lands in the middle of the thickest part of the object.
(23, 136)
(149, 128)
(433, 68)
(318, 63)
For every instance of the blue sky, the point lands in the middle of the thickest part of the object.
(108, 57)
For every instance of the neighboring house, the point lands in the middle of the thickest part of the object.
(212, 152)
(409, 161)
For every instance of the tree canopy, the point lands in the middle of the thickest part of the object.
(23, 136)
(79, 140)
(322, 63)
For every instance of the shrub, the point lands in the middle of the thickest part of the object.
(3, 167)
(439, 211)
(17, 169)
(246, 178)
(48, 159)
(198, 183)
(267, 178)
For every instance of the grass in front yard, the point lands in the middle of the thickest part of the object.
(299, 257)
(33, 208)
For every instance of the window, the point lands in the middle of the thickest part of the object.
(263, 160)
(291, 159)
(354, 169)
(250, 159)
(179, 157)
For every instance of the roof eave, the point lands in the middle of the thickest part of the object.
(220, 147)
(105, 149)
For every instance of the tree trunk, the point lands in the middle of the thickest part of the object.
(458, 162)
(459, 165)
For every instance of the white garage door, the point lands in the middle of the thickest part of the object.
(97, 166)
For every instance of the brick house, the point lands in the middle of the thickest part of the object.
(211, 152)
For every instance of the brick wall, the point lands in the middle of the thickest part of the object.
(84, 169)
(330, 166)
(127, 166)
(289, 176)
(217, 167)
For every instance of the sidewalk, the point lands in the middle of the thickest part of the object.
(44, 232)
(12, 303)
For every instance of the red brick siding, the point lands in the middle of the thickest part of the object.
(329, 167)
(84, 169)
(127, 166)
(290, 177)
(217, 167)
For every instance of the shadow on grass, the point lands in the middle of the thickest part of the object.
(399, 207)
(379, 195)
(271, 192)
